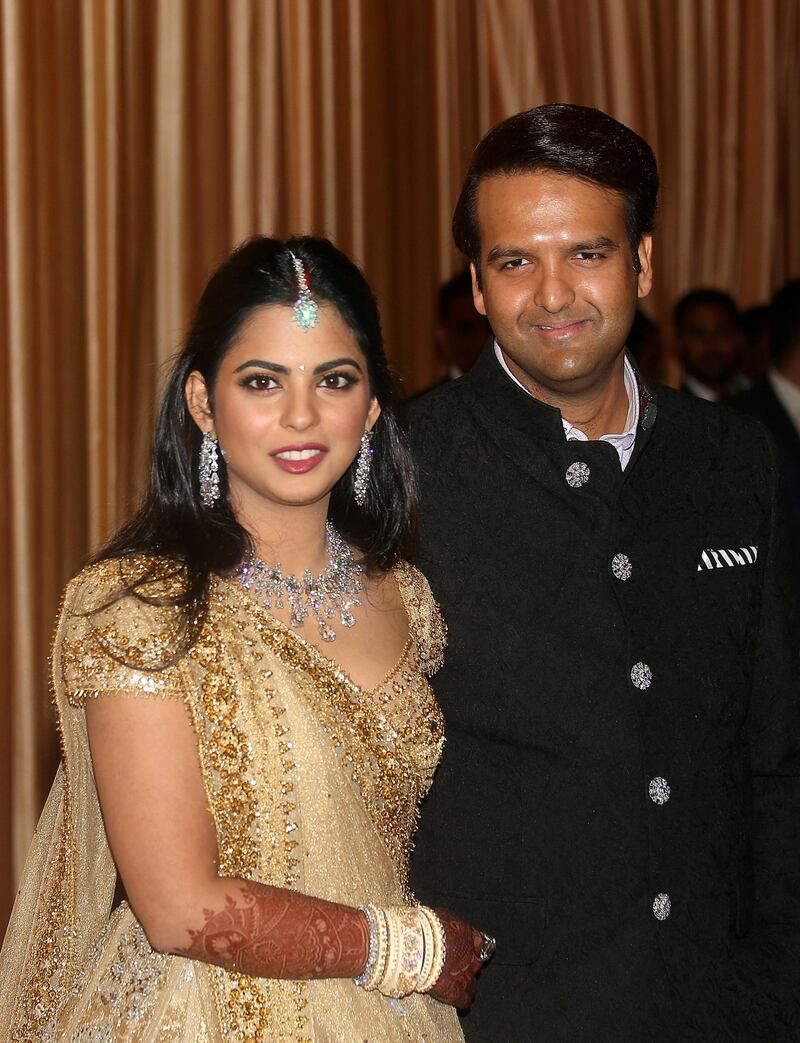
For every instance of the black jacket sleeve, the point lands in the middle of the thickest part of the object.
(754, 993)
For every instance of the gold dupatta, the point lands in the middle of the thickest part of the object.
(54, 922)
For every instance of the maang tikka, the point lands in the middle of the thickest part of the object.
(306, 310)
(363, 462)
(208, 469)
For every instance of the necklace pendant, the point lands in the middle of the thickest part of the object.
(333, 592)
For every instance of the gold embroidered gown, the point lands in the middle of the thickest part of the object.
(313, 783)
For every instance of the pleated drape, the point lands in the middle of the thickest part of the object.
(141, 139)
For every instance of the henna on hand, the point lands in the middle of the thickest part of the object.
(269, 932)
(459, 978)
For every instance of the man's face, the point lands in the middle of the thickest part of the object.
(709, 343)
(461, 336)
(558, 280)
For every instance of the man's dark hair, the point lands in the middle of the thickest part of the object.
(784, 319)
(705, 295)
(459, 286)
(572, 140)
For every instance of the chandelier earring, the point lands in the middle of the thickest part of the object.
(208, 469)
(363, 463)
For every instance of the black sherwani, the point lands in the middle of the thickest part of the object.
(623, 736)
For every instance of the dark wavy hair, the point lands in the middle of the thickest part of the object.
(173, 522)
(702, 296)
(572, 140)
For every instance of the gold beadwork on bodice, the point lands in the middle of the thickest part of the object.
(389, 738)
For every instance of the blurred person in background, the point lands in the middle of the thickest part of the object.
(775, 400)
(757, 348)
(709, 344)
(461, 331)
(644, 345)
(247, 726)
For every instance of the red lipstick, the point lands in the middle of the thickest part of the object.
(299, 459)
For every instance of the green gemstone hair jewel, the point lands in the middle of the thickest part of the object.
(306, 310)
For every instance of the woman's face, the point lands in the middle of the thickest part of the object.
(289, 408)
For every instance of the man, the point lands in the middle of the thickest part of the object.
(709, 344)
(618, 798)
(775, 400)
(461, 331)
(757, 342)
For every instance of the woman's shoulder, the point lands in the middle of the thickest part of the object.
(425, 616)
(132, 607)
(411, 580)
(146, 577)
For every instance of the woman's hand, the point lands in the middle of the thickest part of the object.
(459, 978)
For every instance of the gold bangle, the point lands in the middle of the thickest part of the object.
(383, 951)
(375, 968)
(428, 951)
(366, 978)
(390, 978)
(439, 950)
(406, 951)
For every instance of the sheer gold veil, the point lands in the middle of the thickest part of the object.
(67, 885)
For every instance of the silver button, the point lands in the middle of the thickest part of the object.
(621, 567)
(661, 906)
(641, 675)
(659, 790)
(577, 474)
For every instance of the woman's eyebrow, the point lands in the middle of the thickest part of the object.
(275, 367)
(323, 367)
(262, 364)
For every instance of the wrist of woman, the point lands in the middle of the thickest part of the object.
(407, 950)
(278, 933)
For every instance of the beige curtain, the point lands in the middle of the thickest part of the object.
(141, 139)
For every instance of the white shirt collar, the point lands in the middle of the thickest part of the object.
(622, 442)
(788, 394)
(698, 389)
(701, 390)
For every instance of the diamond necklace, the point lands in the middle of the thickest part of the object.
(335, 589)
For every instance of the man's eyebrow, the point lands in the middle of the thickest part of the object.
(498, 253)
(600, 242)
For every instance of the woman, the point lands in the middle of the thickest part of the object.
(255, 812)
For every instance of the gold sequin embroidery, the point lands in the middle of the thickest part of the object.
(390, 739)
(42, 993)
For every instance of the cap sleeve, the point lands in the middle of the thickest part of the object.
(125, 642)
(425, 618)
